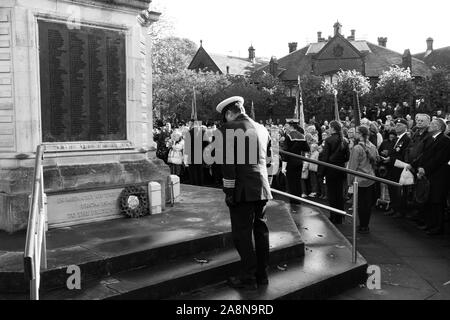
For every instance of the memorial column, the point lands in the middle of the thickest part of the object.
(145, 19)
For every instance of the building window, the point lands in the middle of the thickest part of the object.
(330, 78)
(83, 83)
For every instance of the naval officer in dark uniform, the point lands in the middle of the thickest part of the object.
(294, 142)
(247, 189)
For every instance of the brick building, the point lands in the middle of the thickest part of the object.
(326, 57)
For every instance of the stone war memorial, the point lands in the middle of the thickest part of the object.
(75, 76)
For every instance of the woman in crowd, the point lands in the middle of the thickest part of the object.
(336, 152)
(363, 159)
(176, 153)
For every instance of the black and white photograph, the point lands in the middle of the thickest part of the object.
(224, 156)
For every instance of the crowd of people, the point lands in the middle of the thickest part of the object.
(387, 143)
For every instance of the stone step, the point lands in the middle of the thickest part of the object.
(170, 278)
(124, 258)
(297, 281)
(325, 270)
(199, 223)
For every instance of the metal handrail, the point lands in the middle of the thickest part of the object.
(35, 245)
(317, 204)
(355, 193)
(346, 170)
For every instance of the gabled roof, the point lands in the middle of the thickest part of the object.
(220, 62)
(437, 58)
(377, 60)
(295, 63)
(237, 65)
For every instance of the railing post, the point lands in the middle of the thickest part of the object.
(44, 231)
(355, 215)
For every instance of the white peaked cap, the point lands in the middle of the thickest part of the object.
(226, 102)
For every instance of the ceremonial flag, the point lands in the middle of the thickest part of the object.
(194, 107)
(356, 110)
(336, 106)
(252, 112)
(298, 112)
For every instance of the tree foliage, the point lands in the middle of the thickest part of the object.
(435, 90)
(172, 54)
(347, 82)
(173, 93)
(395, 85)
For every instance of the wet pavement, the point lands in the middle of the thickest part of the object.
(413, 265)
(325, 270)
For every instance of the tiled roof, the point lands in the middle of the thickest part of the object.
(437, 58)
(315, 47)
(378, 59)
(361, 45)
(237, 65)
(382, 58)
(293, 64)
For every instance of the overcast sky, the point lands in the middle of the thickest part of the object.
(230, 26)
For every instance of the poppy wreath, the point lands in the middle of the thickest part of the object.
(133, 202)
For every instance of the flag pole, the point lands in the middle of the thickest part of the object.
(194, 106)
(336, 106)
(300, 111)
(357, 111)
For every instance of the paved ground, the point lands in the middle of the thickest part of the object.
(413, 265)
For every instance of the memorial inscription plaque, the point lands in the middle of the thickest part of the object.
(82, 207)
(83, 83)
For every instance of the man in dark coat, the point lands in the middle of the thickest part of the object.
(195, 157)
(294, 142)
(398, 152)
(247, 189)
(335, 151)
(433, 164)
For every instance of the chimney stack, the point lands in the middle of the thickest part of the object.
(319, 36)
(382, 41)
(251, 53)
(352, 36)
(407, 60)
(292, 46)
(273, 66)
(429, 46)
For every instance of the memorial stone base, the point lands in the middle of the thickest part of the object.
(77, 193)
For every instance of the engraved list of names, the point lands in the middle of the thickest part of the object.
(83, 83)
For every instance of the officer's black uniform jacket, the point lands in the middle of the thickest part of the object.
(249, 179)
(295, 142)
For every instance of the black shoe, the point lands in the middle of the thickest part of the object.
(262, 278)
(363, 230)
(398, 215)
(262, 282)
(435, 232)
(422, 227)
(246, 284)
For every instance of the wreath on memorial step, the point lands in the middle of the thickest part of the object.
(133, 202)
